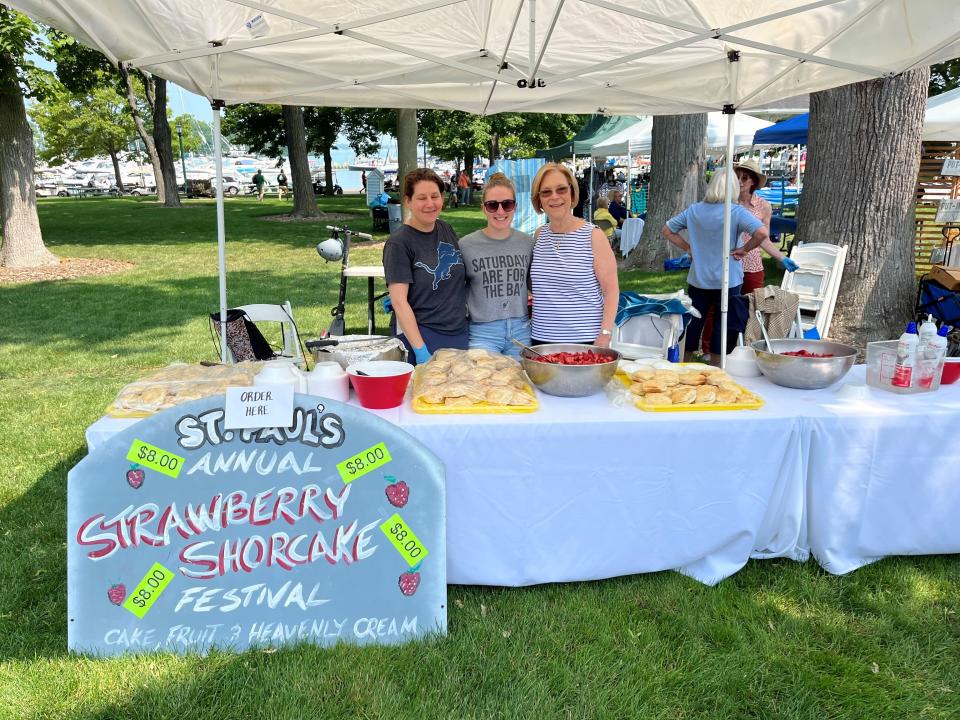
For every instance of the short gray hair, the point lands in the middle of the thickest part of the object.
(717, 189)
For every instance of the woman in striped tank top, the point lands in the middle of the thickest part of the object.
(573, 271)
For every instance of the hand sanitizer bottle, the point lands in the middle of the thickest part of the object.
(906, 357)
(927, 332)
(932, 355)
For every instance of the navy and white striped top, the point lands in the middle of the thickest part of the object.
(567, 301)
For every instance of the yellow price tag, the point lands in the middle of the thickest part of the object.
(146, 593)
(364, 462)
(404, 540)
(152, 457)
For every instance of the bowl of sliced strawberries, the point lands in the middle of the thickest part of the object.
(804, 364)
(569, 369)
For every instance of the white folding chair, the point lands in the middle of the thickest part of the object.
(816, 282)
(282, 314)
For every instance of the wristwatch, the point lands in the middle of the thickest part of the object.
(604, 331)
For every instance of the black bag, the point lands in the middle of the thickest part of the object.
(244, 339)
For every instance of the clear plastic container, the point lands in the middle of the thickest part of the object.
(881, 363)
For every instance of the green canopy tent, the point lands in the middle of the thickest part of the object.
(597, 129)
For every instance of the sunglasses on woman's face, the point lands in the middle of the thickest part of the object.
(507, 205)
(560, 191)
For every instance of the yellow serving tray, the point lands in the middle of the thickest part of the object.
(625, 379)
(480, 408)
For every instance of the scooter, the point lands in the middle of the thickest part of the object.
(337, 247)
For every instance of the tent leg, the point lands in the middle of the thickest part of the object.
(221, 241)
(798, 167)
(727, 213)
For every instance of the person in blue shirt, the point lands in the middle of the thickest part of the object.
(703, 222)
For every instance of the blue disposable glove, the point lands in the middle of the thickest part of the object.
(422, 354)
(789, 265)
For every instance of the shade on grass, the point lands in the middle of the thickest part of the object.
(777, 640)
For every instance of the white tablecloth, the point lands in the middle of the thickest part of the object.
(630, 234)
(581, 490)
(883, 477)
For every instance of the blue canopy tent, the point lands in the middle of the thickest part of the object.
(792, 131)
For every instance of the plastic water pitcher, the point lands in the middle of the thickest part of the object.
(329, 380)
(281, 372)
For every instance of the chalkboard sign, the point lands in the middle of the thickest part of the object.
(184, 536)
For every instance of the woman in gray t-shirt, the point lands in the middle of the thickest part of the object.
(497, 263)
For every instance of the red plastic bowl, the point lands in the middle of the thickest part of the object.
(951, 371)
(383, 383)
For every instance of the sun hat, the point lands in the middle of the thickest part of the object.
(751, 166)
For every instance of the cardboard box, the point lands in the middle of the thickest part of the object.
(949, 277)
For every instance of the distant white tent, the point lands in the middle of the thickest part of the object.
(639, 138)
(942, 119)
(625, 57)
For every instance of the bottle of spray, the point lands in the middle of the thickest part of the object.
(906, 357)
(927, 332)
(932, 355)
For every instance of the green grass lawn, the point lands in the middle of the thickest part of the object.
(777, 640)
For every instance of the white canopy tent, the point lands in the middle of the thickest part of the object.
(638, 139)
(942, 119)
(491, 56)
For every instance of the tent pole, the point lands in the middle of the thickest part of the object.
(221, 241)
(727, 213)
(798, 167)
(589, 203)
(730, 110)
(629, 186)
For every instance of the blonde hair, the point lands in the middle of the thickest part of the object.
(538, 181)
(498, 179)
(612, 195)
(602, 202)
(717, 189)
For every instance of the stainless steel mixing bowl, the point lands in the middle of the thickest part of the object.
(804, 373)
(569, 380)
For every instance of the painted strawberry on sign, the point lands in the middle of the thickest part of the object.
(397, 491)
(117, 593)
(135, 476)
(410, 580)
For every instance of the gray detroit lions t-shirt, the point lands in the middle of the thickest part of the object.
(497, 272)
(431, 264)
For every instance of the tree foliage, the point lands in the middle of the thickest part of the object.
(77, 126)
(944, 76)
(455, 135)
(197, 134)
(20, 42)
(260, 127)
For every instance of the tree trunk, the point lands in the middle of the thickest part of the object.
(116, 167)
(22, 239)
(677, 161)
(406, 143)
(164, 143)
(328, 170)
(304, 201)
(494, 147)
(863, 160)
(145, 137)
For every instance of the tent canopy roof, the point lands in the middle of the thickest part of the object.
(639, 137)
(597, 129)
(490, 56)
(940, 122)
